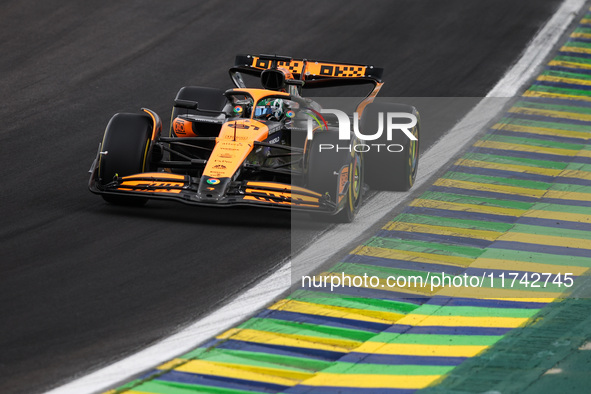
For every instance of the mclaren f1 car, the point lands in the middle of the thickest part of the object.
(265, 146)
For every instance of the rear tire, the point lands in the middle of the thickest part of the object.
(324, 169)
(127, 140)
(390, 170)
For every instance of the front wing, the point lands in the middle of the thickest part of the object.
(183, 188)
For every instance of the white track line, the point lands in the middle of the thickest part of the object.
(261, 294)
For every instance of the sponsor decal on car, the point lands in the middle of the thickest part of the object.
(343, 179)
(237, 138)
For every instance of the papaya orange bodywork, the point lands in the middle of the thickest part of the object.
(233, 145)
(267, 199)
(155, 126)
(149, 186)
(293, 188)
(369, 99)
(159, 175)
(183, 128)
(259, 94)
(148, 181)
(315, 68)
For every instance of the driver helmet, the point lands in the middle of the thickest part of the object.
(272, 109)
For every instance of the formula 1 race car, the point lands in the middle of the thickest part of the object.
(266, 147)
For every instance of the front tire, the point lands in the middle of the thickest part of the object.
(126, 141)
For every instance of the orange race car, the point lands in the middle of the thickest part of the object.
(266, 147)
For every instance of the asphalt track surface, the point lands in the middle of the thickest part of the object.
(83, 283)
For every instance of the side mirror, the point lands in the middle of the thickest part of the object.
(187, 104)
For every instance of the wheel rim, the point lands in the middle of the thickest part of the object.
(413, 156)
(356, 178)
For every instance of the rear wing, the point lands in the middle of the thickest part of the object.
(314, 73)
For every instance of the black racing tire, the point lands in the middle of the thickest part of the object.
(323, 172)
(386, 170)
(126, 141)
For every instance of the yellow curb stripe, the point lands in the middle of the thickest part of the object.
(574, 81)
(508, 167)
(568, 195)
(453, 206)
(551, 114)
(422, 257)
(525, 148)
(560, 63)
(581, 35)
(579, 174)
(406, 349)
(293, 340)
(561, 216)
(575, 49)
(463, 321)
(532, 93)
(443, 230)
(489, 187)
(336, 311)
(371, 381)
(576, 243)
(246, 372)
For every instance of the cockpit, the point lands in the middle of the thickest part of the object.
(274, 107)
